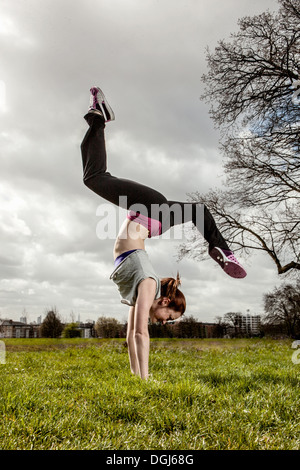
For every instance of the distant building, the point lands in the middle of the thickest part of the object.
(20, 329)
(248, 325)
(87, 329)
(209, 330)
(16, 329)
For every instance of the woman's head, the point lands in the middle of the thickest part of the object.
(169, 289)
(171, 304)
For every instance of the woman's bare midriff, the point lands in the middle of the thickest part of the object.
(131, 236)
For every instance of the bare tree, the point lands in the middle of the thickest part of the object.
(251, 86)
(251, 78)
(233, 322)
(282, 307)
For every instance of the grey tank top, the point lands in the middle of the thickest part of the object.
(130, 272)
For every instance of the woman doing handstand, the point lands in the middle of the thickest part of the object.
(150, 214)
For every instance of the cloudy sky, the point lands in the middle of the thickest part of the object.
(148, 56)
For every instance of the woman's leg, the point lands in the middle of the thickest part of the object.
(119, 191)
(182, 212)
(123, 191)
(126, 193)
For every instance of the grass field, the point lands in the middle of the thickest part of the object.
(72, 394)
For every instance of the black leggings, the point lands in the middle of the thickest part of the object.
(112, 188)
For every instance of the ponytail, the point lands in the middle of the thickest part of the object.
(169, 288)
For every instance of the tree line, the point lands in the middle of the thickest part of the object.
(281, 318)
(109, 327)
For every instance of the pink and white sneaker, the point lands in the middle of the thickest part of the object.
(228, 262)
(98, 102)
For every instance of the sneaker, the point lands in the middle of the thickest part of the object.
(99, 102)
(228, 262)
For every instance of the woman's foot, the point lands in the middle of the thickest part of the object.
(228, 262)
(98, 102)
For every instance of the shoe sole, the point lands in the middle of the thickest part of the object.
(106, 110)
(229, 267)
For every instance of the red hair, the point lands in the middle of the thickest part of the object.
(169, 288)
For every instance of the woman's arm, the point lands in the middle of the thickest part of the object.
(146, 295)
(131, 343)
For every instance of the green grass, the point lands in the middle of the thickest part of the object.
(204, 394)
